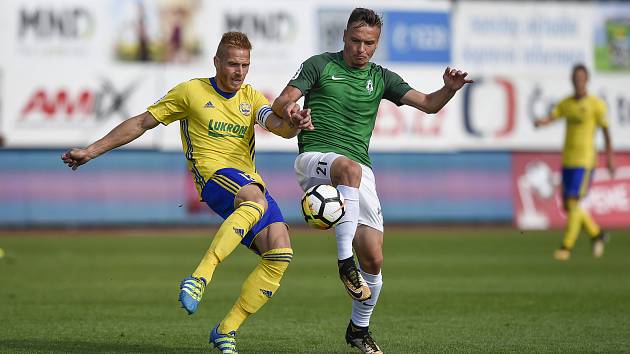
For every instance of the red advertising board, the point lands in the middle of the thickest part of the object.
(536, 179)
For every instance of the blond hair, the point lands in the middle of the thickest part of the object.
(235, 40)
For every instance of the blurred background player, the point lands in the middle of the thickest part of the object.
(217, 117)
(344, 90)
(583, 114)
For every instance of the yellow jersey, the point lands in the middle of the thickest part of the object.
(216, 127)
(583, 116)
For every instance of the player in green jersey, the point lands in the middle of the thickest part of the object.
(343, 91)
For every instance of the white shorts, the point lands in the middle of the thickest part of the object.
(313, 168)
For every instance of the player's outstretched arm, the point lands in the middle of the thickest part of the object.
(543, 121)
(288, 128)
(432, 103)
(122, 134)
(610, 163)
(288, 118)
(286, 104)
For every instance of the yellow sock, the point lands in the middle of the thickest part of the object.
(258, 288)
(590, 225)
(574, 221)
(228, 237)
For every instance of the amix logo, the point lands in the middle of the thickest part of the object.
(65, 105)
(225, 130)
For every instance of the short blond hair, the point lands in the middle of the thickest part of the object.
(233, 39)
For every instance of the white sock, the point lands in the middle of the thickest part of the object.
(362, 311)
(347, 226)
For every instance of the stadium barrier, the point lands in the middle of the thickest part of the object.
(154, 188)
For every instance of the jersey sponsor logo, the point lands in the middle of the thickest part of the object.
(217, 129)
(267, 293)
(245, 108)
(369, 86)
(239, 231)
(297, 73)
(208, 105)
(336, 78)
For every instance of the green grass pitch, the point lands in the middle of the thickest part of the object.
(446, 290)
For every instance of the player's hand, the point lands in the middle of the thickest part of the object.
(611, 168)
(290, 109)
(75, 158)
(455, 79)
(302, 119)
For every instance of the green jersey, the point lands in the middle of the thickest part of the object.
(344, 102)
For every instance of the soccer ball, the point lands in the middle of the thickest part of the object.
(322, 206)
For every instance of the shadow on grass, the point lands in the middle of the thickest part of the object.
(71, 346)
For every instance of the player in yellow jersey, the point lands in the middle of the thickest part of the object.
(217, 117)
(583, 113)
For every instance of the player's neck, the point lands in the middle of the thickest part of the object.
(580, 95)
(217, 86)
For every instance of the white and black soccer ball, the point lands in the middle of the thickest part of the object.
(322, 206)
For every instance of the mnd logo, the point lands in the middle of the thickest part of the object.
(225, 130)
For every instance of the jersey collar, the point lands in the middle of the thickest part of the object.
(227, 95)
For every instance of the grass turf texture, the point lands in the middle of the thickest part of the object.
(477, 290)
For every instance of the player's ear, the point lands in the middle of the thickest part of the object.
(216, 62)
(345, 33)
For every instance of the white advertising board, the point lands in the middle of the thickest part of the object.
(72, 70)
(522, 38)
(46, 109)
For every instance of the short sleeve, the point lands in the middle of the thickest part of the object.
(173, 106)
(600, 113)
(395, 87)
(558, 111)
(307, 75)
(262, 108)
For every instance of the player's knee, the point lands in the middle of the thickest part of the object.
(252, 193)
(262, 201)
(279, 236)
(372, 264)
(346, 172)
(569, 204)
